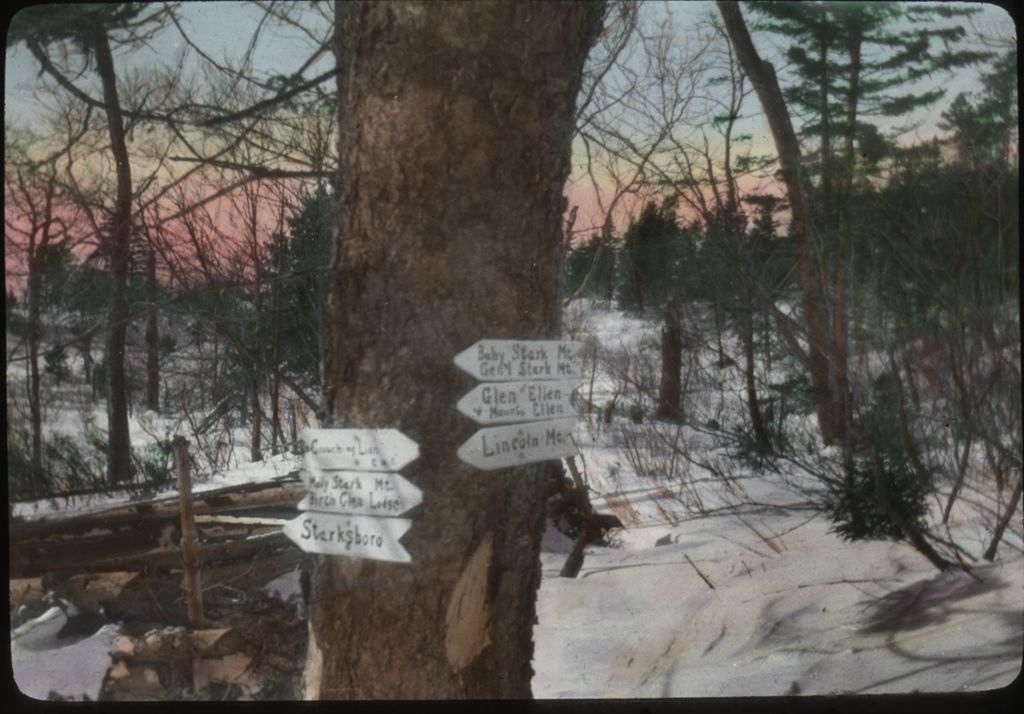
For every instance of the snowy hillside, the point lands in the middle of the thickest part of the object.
(725, 580)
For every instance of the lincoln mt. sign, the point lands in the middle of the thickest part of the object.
(500, 447)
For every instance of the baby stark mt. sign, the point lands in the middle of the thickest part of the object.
(496, 360)
(353, 493)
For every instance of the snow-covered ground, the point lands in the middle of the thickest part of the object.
(724, 581)
(717, 611)
(69, 667)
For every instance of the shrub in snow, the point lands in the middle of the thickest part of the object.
(855, 508)
(883, 481)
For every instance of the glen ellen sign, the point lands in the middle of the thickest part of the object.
(500, 447)
(497, 360)
(356, 536)
(507, 402)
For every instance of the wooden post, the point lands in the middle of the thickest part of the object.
(189, 548)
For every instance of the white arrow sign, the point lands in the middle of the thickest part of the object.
(355, 536)
(498, 447)
(494, 360)
(504, 402)
(358, 449)
(373, 494)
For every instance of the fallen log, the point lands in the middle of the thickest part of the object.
(154, 560)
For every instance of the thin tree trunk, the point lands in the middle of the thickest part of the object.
(34, 401)
(764, 441)
(827, 179)
(961, 473)
(762, 76)
(256, 447)
(216, 389)
(119, 467)
(455, 136)
(276, 432)
(718, 333)
(669, 391)
(152, 334)
(844, 244)
(1011, 508)
(746, 316)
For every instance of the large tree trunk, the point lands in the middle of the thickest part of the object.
(456, 126)
(119, 448)
(762, 77)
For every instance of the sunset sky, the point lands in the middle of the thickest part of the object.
(223, 30)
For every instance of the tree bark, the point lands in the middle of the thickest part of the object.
(455, 137)
(119, 466)
(762, 77)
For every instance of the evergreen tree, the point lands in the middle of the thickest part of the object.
(651, 259)
(590, 269)
(851, 61)
(985, 130)
(303, 257)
